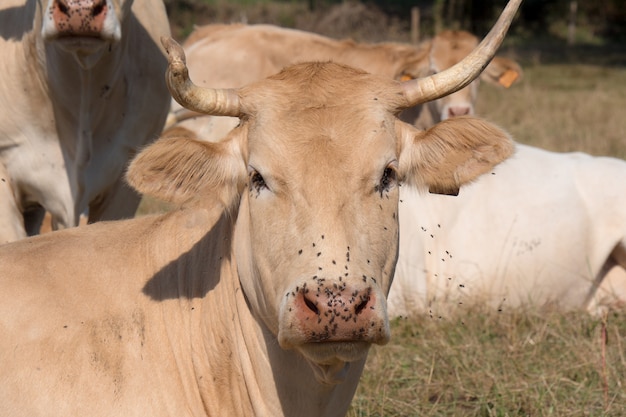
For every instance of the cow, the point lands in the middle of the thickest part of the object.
(252, 52)
(81, 90)
(555, 236)
(262, 293)
(445, 50)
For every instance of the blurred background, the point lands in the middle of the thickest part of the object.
(573, 53)
(590, 22)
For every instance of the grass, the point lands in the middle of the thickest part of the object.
(518, 363)
(561, 107)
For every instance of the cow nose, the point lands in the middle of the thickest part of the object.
(339, 313)
(458, 111)
(79, 17)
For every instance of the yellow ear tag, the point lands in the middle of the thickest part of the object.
(405, 77)
(508, 78)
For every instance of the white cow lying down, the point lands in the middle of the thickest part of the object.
(543, 228)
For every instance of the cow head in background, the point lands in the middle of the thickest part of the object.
(447, 49)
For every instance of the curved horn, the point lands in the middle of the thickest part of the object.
(421, 90)
(218, 102)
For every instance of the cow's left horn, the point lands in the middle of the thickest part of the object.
(214, 101)
(446, 82)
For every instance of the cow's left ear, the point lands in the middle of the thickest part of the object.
(502, 72)
(450, 154)
(179, 169)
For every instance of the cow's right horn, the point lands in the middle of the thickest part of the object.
(214, 101)
(441, 84)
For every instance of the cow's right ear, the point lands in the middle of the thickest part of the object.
(450, 154)
(179, 169)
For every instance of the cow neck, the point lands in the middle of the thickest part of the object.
(192, 297)
(80, 94)
(280, 382)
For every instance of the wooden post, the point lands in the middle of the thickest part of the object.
(415, 25)
(571, 27)
(438, 16)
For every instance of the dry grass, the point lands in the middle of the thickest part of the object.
(563, 108)
(518, 363)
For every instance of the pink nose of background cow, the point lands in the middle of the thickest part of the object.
(458, 111)
(338, 313)
(79, 17)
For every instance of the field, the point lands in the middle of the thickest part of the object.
(517, 363)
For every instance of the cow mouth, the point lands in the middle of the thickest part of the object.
(77, 42)
(331, 361)
(323, 353)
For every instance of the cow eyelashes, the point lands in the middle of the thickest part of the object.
(388, 180)
(256, 181)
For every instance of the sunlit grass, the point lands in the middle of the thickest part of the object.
(563, 108)
(516, 363)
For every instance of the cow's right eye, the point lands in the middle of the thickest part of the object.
(256, 181)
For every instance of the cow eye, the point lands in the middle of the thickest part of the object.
(256, 181)
(388, 180)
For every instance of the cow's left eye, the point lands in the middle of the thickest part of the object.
(388, 180)
(256, 181)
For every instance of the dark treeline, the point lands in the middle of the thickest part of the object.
(603, 18)
(578, 21)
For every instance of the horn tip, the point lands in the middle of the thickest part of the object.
(174, 50)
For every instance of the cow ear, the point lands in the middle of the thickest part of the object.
(452, 153)
(180, 169)
(502, 72)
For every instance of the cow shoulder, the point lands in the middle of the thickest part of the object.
(179, 169)
(452, 153)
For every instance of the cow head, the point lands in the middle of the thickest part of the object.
(312, 176)
(84, 27)
(445, 50)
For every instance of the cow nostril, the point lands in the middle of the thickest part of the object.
(63, 7)
(361, 305)
(311, 306)
(98, 8)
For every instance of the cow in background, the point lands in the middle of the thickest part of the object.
(444, 51)
(81, 89)
(251, 52)
(545, 228)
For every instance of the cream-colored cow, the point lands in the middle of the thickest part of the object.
(81, 89)
(262, 293)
